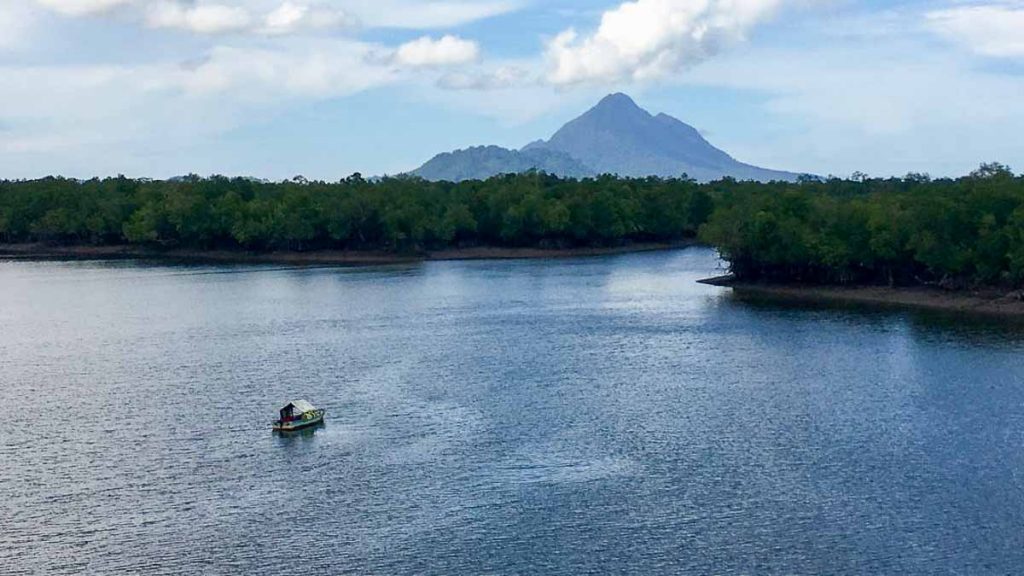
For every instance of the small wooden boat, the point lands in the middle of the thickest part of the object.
(298, 415)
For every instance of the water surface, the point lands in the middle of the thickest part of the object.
(529, 417)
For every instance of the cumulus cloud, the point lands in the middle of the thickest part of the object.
(82, 7)
(428, 52)
(990, 30)
(646, 39)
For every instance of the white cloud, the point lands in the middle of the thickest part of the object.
(446, 51)
(289, 18)
(647, 39)
(134, 118)
(200, 18)
(329, 68)
(989, 30)
(106, 113)
(82, 7)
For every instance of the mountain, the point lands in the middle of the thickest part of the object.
(619, 137)
(482, 162)
(614, 137)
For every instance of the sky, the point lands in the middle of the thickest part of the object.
(325, 88)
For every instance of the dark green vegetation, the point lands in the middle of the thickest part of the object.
(397, 214)
(897, 231)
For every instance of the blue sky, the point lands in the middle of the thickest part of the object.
(325, 88)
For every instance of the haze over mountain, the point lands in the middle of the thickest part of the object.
(614, 137)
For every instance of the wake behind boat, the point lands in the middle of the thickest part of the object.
(298, 415)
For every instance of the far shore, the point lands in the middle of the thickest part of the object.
(988, 302)
(41, 252)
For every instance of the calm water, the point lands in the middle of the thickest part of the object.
(592, 415)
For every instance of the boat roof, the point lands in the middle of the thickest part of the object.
(301, 406)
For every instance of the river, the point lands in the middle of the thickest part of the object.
(509, 417)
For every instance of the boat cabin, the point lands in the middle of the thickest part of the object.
(293, 411)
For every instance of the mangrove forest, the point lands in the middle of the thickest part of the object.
(897, 231)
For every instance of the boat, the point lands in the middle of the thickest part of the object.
(298, 415)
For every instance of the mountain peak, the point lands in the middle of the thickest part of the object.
(615, 112)
(616, 108)
(617, 100)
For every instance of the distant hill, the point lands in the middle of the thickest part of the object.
(614, 137)
(482, 162)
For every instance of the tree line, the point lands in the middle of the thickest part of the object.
(909, 230)
(899, 231)
(398, 214)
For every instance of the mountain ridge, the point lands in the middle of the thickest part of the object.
(481, 162)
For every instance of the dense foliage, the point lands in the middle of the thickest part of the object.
(399, 214)
(911, 230)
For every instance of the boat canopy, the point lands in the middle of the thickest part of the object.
(297, 407)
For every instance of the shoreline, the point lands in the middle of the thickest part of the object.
(984, 302)
(43, 252)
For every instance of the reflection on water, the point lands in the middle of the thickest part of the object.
(956, 326)
(541, 417)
